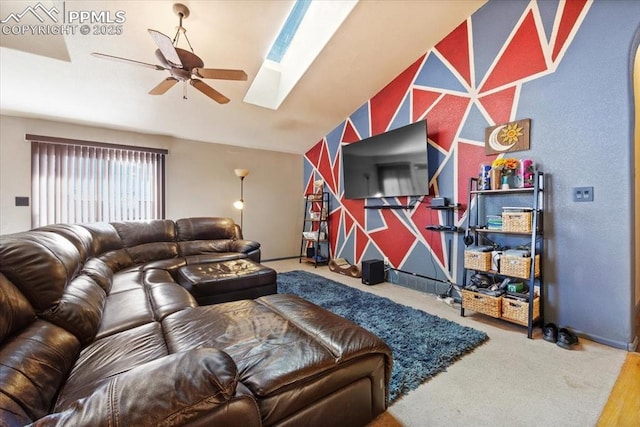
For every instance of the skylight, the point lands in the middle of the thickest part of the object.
(288, 30)
(308, 28)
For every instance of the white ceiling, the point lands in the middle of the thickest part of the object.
(379, 39)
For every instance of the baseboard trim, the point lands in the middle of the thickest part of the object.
(280, 258)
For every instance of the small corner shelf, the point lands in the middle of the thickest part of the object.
(448, 227)
(446, 208)
(315, 247)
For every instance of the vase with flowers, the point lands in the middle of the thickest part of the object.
(506, 170)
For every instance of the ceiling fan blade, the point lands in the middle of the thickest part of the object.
(209, 91)
(166, 47)
(164, 86)
(128, 61)
(219, 73)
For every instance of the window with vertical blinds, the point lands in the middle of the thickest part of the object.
(81, 181)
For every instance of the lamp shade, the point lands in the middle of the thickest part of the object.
(241, 172)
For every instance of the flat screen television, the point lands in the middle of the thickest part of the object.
(390, 164)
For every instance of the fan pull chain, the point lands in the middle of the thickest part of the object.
(184, 90)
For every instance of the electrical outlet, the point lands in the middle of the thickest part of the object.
(583, 194)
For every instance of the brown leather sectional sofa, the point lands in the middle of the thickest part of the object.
(95, 330)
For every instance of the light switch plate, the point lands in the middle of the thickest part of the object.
(583, 194)
(22, 201)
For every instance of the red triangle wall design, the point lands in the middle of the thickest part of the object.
(422, 101)
(334, 227)
(309, 189)
(362, 240)
(350, 134)
(348, 223)
(455, 48)
(385, 103)
(499, 104)
(314, 153)
(336, 173)
(445, 118)
(570, 13)
(355, 207)
(395, 237)
(325, 168)
(522, 58)
(470, 157)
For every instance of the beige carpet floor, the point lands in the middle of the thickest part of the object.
(508, 381)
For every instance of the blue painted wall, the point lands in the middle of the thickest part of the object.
(582, 135)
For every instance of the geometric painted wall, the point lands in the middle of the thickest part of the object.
(470, 80)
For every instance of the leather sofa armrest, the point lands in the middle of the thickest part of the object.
(249, 247)
(188, 387)
(244, 246)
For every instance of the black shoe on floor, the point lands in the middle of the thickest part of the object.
(550, 332)
(566, 338)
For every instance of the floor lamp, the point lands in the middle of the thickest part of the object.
(239, 204)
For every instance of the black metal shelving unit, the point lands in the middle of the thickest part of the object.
(315, 247)
(534, 198)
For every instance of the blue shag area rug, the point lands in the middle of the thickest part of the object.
(422, 344)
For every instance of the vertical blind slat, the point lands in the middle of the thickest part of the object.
(73, 183)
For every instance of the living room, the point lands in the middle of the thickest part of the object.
(582, 135)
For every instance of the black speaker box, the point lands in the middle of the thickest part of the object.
(372, 272)
(311, 252)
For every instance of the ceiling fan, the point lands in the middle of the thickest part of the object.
(184, 66)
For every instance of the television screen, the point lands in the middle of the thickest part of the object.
(387, 165)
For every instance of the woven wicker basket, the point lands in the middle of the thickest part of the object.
(480, 303)
(518, 311)
(518, 266)
(477, 260)
(519, 222)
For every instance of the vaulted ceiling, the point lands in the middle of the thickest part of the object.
(55, 77)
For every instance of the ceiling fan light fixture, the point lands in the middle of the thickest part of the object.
(183, 65)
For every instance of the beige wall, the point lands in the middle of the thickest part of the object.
(200, 180)
(636, 84)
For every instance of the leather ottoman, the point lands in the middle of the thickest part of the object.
(225, 281)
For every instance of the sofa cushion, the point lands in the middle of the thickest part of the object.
(104, 237)
(16, 311)
(147, 252)
(34, 364)
(113, 355)
(135, 233)
(165, 295)
(206, 229)
(213, 257)
(200, 247)
(80, 308)
(125, 310)
(197, 388)
(170, 265)
(100, 272)
(11, 413)
(147, 241)
(117, 260)
(76, 234)
(39, 264)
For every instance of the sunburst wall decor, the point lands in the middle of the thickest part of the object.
(512, 136)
